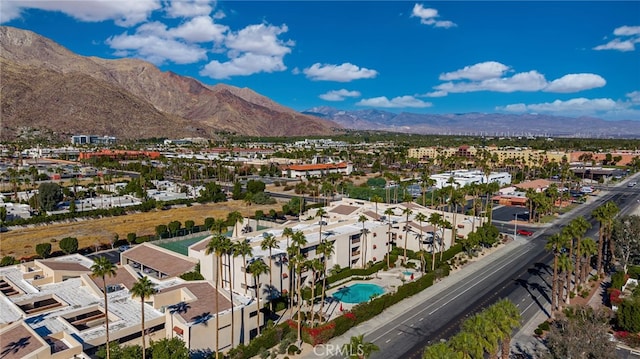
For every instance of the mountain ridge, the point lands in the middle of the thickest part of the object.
(175, 105)
(478, 123)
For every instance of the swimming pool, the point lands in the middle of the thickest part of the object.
(407, 273)
(358, 293)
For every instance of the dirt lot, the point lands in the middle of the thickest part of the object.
(21, 242)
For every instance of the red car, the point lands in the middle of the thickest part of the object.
(524, 232)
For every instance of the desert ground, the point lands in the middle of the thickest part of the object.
(21, 242)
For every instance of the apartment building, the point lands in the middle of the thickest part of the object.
(462, 178)
(56, 308)
(316, 170)
(522, 155)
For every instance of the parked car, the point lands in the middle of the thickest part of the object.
(632, 184)
(524, 232)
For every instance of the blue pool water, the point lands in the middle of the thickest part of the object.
(407, 273)
(358, 293)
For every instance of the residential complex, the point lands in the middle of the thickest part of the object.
(57, 305)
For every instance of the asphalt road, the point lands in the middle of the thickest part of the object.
(523, 276)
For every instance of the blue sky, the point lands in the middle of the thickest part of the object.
(564, 58)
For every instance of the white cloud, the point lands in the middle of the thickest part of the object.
(572, 106)
(123, 13)
(575, 83)
(189, 8)
(200, 29)
(254, 49)
(524, 81)
(156, 49)
(339, 95)
(243, 65)
(634, 97)
(480, 71)
(627, 31)
(396, 102)
(490, 76)
(261, 39)
(617, 44)
(340, 73)
(435, 94)
(626, 39)
(429, 16)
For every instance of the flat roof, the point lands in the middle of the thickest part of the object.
(535, 184)
(205, 303)
(160, 259)
(18, 341)
(64, 266)
(343, 209)
(123, 276)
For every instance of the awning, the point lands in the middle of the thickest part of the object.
(178, 330)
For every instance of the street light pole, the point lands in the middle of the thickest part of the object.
(515, 226)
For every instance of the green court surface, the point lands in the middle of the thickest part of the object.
(182, 246)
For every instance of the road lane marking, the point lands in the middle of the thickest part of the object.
(482, 273)
(388, 340)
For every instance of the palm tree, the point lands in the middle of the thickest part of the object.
(357, 348)
(555, 243)
(103, 268)
(376, 199)
(388, 212)
(468, 345)
(604, 215)
(231, 255)
(217, 246)
(505, 317)
(325, 249)
(577, 227)
(143, 288)
(407, 211)
(243, 249)
(234, 218)
(421, 217)
(287, 232)
(316, 266)
(364, 231)
(565, 266)
(435, 219)
(440, 351)
(587, 250)
(483, 328)
(320, 213)
(297, 261)
(269, 242)
(258, 268)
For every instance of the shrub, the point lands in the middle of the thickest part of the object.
(292, 350)
(544, 325)
(538, 331)
(618, 279)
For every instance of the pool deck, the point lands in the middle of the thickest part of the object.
(389, 281)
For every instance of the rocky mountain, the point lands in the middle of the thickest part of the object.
(45, 86)
(478, 123)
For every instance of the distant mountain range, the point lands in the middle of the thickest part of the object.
(47, 88)
(478, 123)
